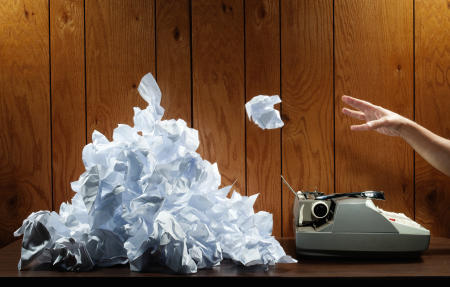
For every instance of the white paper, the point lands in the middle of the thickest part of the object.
(261, 111)
(148, 198)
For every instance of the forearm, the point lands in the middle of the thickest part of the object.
(433, 148)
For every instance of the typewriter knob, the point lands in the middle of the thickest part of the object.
(319, 209)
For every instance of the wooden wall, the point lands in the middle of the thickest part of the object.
(71, 66)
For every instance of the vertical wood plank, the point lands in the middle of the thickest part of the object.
(262, 56)
(307, 95)
(432, 74)
(68, 95)
(25, 149)
(218, 85)
(173, 57)
(374, 62)
(120, 49)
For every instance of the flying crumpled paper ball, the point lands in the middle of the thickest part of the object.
(148, 198)
(261, 111)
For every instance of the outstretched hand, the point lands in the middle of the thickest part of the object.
(433, 148)
(377, 118)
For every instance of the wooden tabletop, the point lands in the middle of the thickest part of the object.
(433, 263)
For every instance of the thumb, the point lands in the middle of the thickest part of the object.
(376, 124)
(371, 125)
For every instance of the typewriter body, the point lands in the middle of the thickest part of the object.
(350, 225)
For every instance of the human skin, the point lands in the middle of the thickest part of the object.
(433, 148)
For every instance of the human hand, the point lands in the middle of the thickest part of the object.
(377, 118)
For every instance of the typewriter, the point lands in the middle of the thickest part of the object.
(350, 225)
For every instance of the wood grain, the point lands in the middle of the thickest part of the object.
(262, 74)
(68, 95)
(173, 57)
(374, 62)
(120, 50)
(25, 148)
(432, 75)
(236, 54)
(307, 94)
(218, 86)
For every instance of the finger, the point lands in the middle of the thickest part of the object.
(363, 127)
(357, 103)
(354, 114)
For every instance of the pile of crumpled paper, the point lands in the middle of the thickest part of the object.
(148, 198)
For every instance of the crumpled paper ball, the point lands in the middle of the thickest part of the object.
(260, 109)
(147, 197)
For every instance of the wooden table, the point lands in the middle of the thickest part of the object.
(433, 264)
